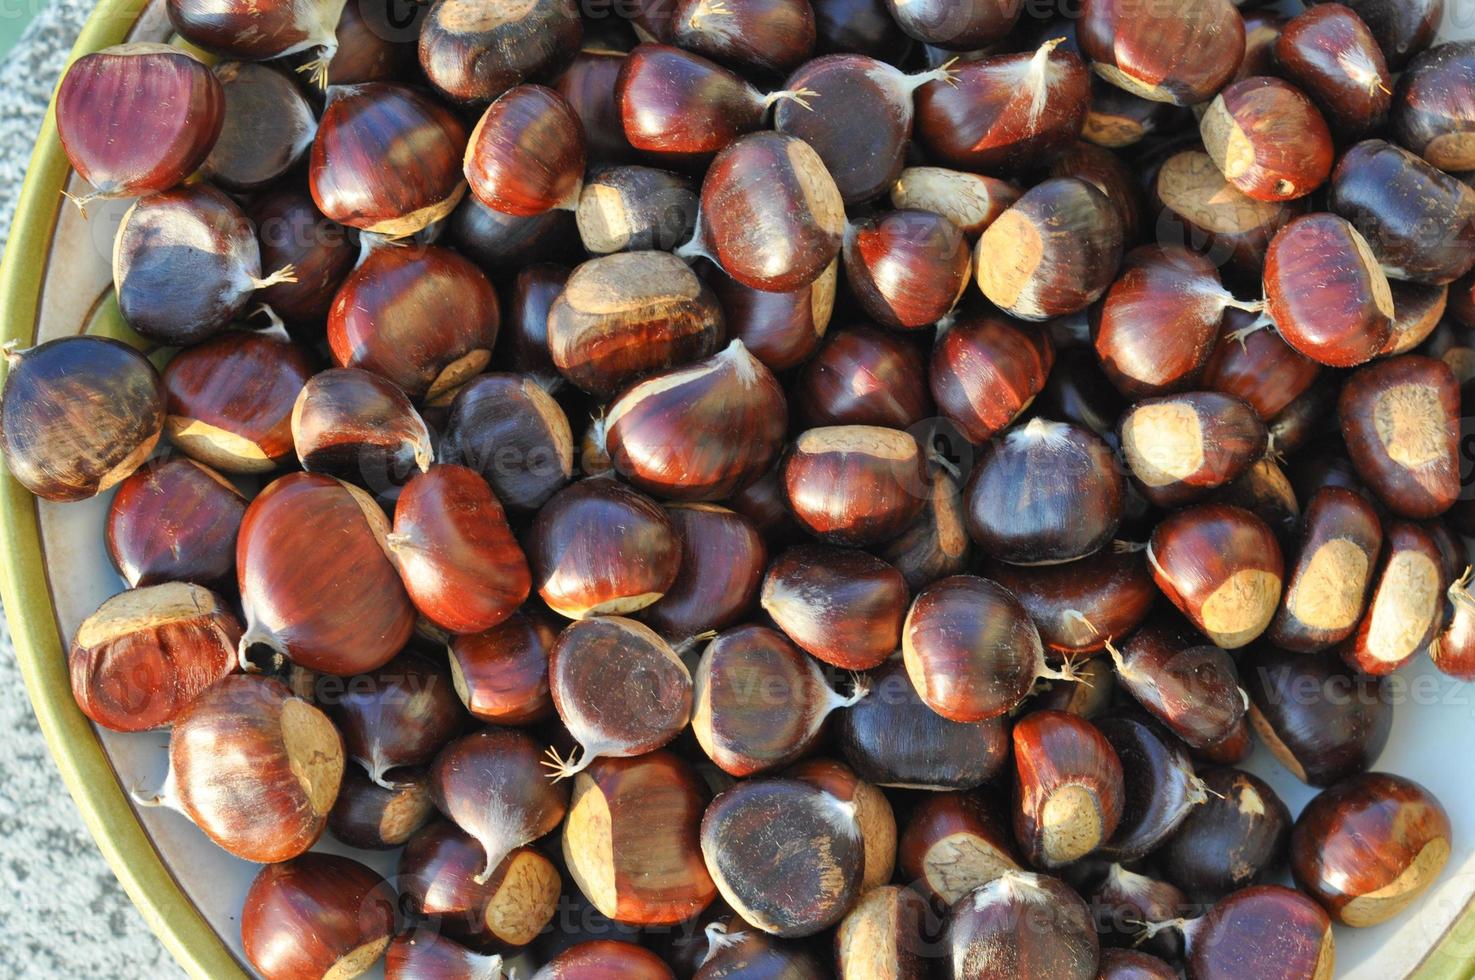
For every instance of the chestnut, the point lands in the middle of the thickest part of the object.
(699, 432)
(491, 784)
(621, 317)
(424, 318)
(1236, 838)
(1117, 119)
(855, 484)
(230, 400)
(248, 32)
(741, 951)
(605, 959)
(1068, 789)
(1368, 847)
(1188, 686)
(1331, 54)
(1404, 608)
(1329, 578)
(290, 231)
(780, 329)
(956, 27)
(386, 159)
(1222, 567)
(399, 714)
(461, 565)
(748, 835)
(1110, 175)
(143, 655)
(882, 937)
(1127, 904)
(171, 106)
(588, 86)
(619, 689)
(1183, 56)
(1453, 648)
(1268, 139)
(986, 370)
(1198, 207)
(471, 54)
(1078, 605)
(1155, 327)
(176, 302)
(954, 843)
(600, 548)
(1264, 924)
(524, 328)
(767, 38)
(843, 606)
(1257, 365)
(771, 215)
(864, 376)
(1429, 116)
(339, 611)
(1400, 423)
(254, 767)
(317, 915)
(370, 45)
(1053, 252)
(758, 702)
(175, 520)
(1006, 113)
(1048, 492)
(426, 955)
(505, 243)
(1121, 964)
(501, 675)
(906, 268)
(722, 561)
(526, 154)
(1417, 310)
(630, 208)
(268, 127)
(937, 544)
(872, 810)
(631, 839)
(864, 26)
(1180, 446)
(1160, 783)
(372, 817)
(438, 877)
(970, 201)
(511, 431)
(1021, 925)
(357, 426)
(892, 738)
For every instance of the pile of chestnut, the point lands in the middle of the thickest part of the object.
(779, 488)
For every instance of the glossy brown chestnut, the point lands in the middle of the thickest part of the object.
(511, 431)
(1345, 320)
(1156, 325)
(1077, 606)
(1196, 206)
(526, 154)
(843, 606)
(600, 548)
(505, 243)
(872, 811)
(426, 955)
(370, 45)
(424, 318)
(1022, 925)
(387, 159)
(855, 484)
(892, 738)
(1180, 446)
(937, 544)
(1188, 686)
(1400, 423)
(1160, 789)
(970, 201)
(1429, 115)
(771, 215)
(631, 839)
(1068, 790)
(256, 32)
(171, 106)
(1257, 365)
(267, 798)
(1418, 310)
(882, 936)
(1329, 578)
(1267, 139)
(619, 689)
(473, 54)
(524, 329)
(759, 702)
(1006, 113)
(747, 836)
(268, 127)
(624, 316)
(492, 784)
(605, 959)
(146, 653)
(317, 915)
(175, 520)
(1183, 55)
(397, 715)
(290, 231)
(357, 426)
(986, 370)
(954, 843)
(1262, 30)
(1110, 175)
(230, 400)
(1047, 492)
(1222, 567)
(1262, 924)
(337, 611)
(780, 329)
(372, 817)
(588, 86)
(864, 376)
(956, 27)
(501, 675)
(186, 263)
(1453, 649)
(1238, 837)
(1054, 252)
(1406, 602)
(906, 268)
(769, 38)
(722, 560)
(1080, 392)
(1329, 52)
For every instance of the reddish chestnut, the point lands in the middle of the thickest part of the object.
(844, 607)
(1265, 924)
(1183, 56)
(1188, 686)
(855, 484)
(1068, 788)
(255, 32)
(1453, 649)
(780, 329)
(426, 955)
(1406, 602)
(722, 561)
(986, 370)
(175, 520)
(1257, 365)
(937, 544)
(764, 39)
(1222, 567)
(954, 843)
(1178, 447)
(1329, 578)
(956, 27)
(1196, 206)
(864, 376)
(906, 269)
(359, 427)
(1329, 52)
(1077, 606)
(1268, 139)
(605, 959)
(588, 86)
(398, 715)
(318, 915)
(526, 154)
(501, 675)
(1400, 422)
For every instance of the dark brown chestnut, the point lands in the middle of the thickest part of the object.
(1022, 925)
(970, 201)
(1109, 174)
(1160, 786)
(397, 715)
(864, 376)
(1053, 252)
(855, 484)
(254, 32)
(1188, 686)
(1330, 576)
(631, 208)
(1329, 52)
(427, 955)
(1077, 606)
(780, 329)
(1222, 567)
(937, 544)
(1068, 789)
(588, 86)
(843, 606)
(954, 843)
(872, 810)
(1429, 115)
(318, 915)
(766, 39)
(1257, 365)
(1238, 837)
(472, 54)
(1400, 423)
(1417, 310)
(1183, 55)
(338, 611)
(1406, 602)
(170, 105)
(511, 431)
(143, 655)
(747, 838)
(357, 426)
(722, 560)
(372, 817)
(501, 675)
(956, 27)
(865, 26)
(1127, 904)
(505, 243)
(269, 126)
(1268, 139)
(1178, 447)
(290, 231)
(175, 520)
(1120, 964)
(387, 159)
(371, 47)
(600, 548)
(1261, 924)
(1118, 119)
(526, 154)
(986, 370)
